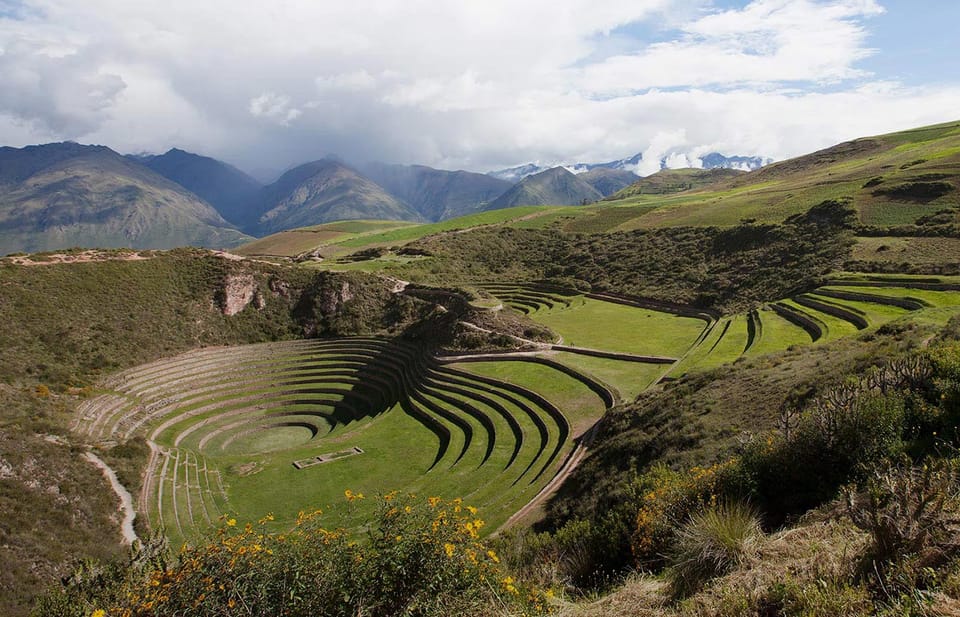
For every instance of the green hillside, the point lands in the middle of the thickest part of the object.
(891, 180)
(669, 181)
(521, 411)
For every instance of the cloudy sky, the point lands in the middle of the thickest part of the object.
(473, 84)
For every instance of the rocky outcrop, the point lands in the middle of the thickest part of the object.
(238, 292)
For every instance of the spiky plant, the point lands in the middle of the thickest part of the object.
(711, 543)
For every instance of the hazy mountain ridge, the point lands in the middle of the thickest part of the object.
(324, 191)
(437, 194)
(62, 195)
(229, 190)
(556, 186)
(608, 181)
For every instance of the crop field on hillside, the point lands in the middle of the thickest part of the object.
(279, 427)
(240, 432)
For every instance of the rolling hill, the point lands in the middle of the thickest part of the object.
(324, 191)
(906, 180)
(675, 181)
(435, 193)
(223, 186)
(555, 186)
(63, 195)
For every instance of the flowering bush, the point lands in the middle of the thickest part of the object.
(420, 557)
(669, 499)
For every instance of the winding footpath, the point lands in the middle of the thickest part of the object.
(126, 499)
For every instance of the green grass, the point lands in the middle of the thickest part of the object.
(726, 343)
(628, 378)
(897, 250)
(614, 327)
(777, 334)
(580, 404)
(934, 298)
(225, 408)
(875, 314)
(407, 234)
(835, 327)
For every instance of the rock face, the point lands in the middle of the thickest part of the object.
(239, 290)
(332, 300)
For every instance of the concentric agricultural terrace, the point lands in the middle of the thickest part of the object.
(282, 427)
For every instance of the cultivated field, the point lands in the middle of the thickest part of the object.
(240, 432)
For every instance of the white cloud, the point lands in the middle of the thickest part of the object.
(275, 107)
(681, 160)
(477, 85)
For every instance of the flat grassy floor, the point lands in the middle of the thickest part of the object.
(614, 327)
(397, 450)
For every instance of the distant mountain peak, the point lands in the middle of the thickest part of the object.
(61, 195)
(323, 191)
(555, 186)
(230, 191)
(631, 164)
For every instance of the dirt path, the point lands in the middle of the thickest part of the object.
(73, 258)
(126, 499)
(573, 460)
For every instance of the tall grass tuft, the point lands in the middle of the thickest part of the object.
(711, 543)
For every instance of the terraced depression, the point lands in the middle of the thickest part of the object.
(279, 427)
(282, 427)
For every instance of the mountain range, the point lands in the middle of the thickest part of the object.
(60, 195)
(712, 160)
(63, 195)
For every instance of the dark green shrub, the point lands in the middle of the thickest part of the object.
(836, 440)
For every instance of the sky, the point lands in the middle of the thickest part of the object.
(474, 84)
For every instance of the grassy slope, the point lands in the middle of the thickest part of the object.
(779, 190)
(697, 419)
(64, 325)
(615, 327)
(344, 237)
(675, 181)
